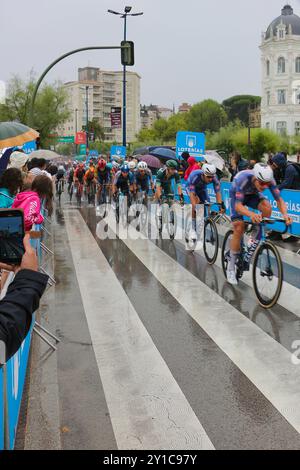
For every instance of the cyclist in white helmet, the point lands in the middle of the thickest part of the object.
(143, 178)
(247, 192)
(197, 188)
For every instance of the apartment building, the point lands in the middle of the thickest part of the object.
(103, 90)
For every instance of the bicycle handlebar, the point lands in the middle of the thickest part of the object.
(273, 221)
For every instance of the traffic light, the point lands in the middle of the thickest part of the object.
(127, 53)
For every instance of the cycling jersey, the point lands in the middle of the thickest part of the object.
(142, 179)
(243, 190)
(123, 182)
(89, 176)
(60, 174)
(79, 174)
(103, 176)
(197, 185)
(166, 182)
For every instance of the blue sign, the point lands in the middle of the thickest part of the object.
(1, 411)
(93, 154)
(192, 142)
(118, 151)
(29, 147)
(16, 372)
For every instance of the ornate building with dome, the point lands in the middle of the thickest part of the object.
(280, 48)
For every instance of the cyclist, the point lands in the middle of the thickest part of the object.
(164, 179)
(197, 188)
(247, 190)
(90, 180)
(123, 181)
(143, 178)
(70, 177)
(60, 175)
(103, 175)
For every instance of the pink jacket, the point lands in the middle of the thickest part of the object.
(30, 202)
(193, 165)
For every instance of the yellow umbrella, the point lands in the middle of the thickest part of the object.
(14, 133)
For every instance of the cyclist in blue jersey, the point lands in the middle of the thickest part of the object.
(123, 181)
(197, 188)
(143, 178)
(247, 191)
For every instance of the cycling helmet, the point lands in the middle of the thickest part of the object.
(172, 164)
(101, 164)
(109, 165)
(124, 169)
(131, 165)
(263, 173)
(115, 164)
(142, 166)
(61, 167)
(209, 170)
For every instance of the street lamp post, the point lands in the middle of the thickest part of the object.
(124, 15)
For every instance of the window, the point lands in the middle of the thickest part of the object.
(268, 67)
(297, 128)
(281, 96)
(298, 65)
(281, 127)
(267, 125)
(268, 98)
(281, 65)
(281, 34)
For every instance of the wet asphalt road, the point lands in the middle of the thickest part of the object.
(234, 413)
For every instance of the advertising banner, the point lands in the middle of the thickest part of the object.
(118, 151)
(16, 373)
(115, 117)
(80, 138)
(67, 139)
(192, 142)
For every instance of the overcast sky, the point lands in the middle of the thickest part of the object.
(184, 50)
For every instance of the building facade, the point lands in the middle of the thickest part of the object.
(280, 61)
(104, 90)
(150, 114)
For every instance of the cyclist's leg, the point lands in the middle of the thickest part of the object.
(238, 232)
(265, 208)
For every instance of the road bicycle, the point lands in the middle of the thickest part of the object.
(79, 193)
(71, 190)
(267, 269)
(141, 206)
(122, 204)
(59, 189)
(165, 215)
(207, 233)
(91, 192)
(103, 195)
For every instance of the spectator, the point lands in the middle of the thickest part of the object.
(10, 183)
(193, 165)
(237, 164)
(30, 201)
(287, 176)
(252, 163)
(184, 160)
(39, 167)
(18, 160)
(21, 300)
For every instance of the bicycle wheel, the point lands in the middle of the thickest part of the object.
(267, 274)
(158, 219)
(226, 251)
(71, 192)
(171, 223)
(210, 241)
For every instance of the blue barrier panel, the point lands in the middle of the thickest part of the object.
(1, 411)
(16, 372)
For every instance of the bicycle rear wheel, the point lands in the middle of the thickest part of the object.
(267, 274)
(171, 223)
(210, 241)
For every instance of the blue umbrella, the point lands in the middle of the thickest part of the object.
(164, 153)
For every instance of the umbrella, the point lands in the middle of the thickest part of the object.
(161, 152)
(13, 134)
(151, 161)
(47, 154)
(214, 158)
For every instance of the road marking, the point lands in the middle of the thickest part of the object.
(264, 361)
(147, 407)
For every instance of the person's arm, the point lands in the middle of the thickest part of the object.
(21, 300)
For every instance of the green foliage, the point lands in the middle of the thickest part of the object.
(50, 106)
(95, 127)
(208, 115)
(65, 149)
(237, 107)
(262, 141)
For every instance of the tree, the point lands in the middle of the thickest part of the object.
(237, 107)
(50, 107)
(208, 115)
(95, 127)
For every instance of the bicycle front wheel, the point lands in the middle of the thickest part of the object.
(267, 274)
(210, 241)
(226, 251)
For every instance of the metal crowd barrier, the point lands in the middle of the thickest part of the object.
(13, 371)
